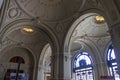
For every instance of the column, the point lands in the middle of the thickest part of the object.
(57, 66)
(67, 66)
(115, 37)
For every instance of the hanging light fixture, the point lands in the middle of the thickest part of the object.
(27, 29)
(99, 19)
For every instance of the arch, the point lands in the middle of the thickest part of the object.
(44, 62)
(81, 18)
(67, 44)
(9, 53)
(17, 59)
(77, 63)
(15, 25)
(83, 66)
(15, 46)
(93, 51)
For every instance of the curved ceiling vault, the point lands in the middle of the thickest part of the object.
(20, 35)
(50, 9)
(88, 28)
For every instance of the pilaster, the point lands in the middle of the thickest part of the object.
(115, 37)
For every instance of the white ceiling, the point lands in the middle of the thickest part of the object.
(87, 30)
(90, 28)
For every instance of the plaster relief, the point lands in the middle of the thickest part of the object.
(59, 28)
(13, 12)
(50, 9)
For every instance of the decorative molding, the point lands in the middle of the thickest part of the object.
(6, 42)
(50, 10)
(101, 42)
(59, 28)
(13, 13)
(93, 2)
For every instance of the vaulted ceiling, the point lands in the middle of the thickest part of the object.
(50, 21)
(50, 10)
(89, 31)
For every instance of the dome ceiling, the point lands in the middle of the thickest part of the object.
(50, 9)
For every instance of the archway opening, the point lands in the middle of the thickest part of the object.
(44, 72)
(85, 35)
(17, 61)
(15, 73)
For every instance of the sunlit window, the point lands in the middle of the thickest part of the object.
(112, 64)
(82, 66)
(13, 70)
(17, 59)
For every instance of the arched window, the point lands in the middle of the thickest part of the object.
(82, 66)
(112, 64)
(17, 59)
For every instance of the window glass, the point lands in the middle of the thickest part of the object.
(82, 66)
(112, 64)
